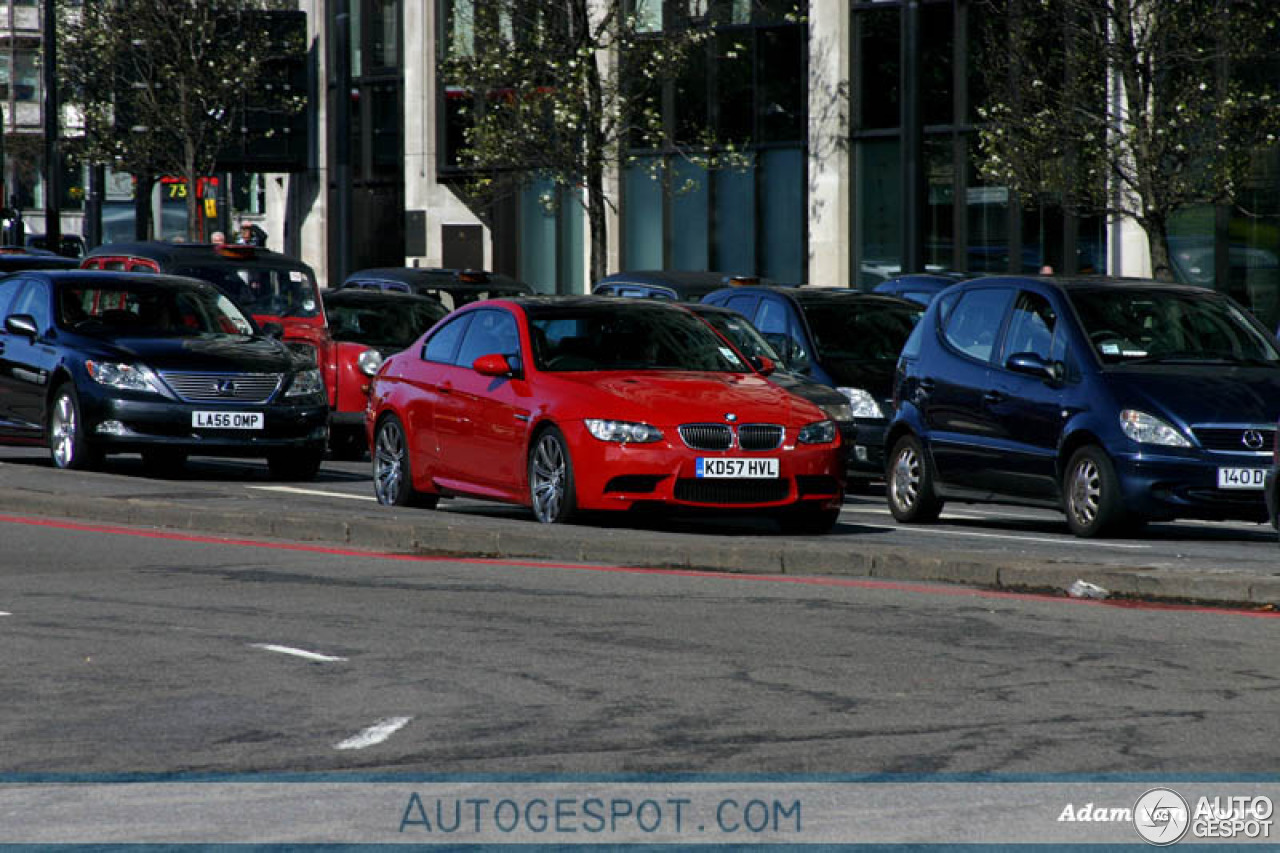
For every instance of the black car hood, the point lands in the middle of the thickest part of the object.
(814, 392)
(1200, 394)
(874, 377)
(229, 353)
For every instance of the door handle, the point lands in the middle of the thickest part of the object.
(993, 397)
(445, 388)
(927, 385)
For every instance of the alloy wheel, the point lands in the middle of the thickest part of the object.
(904, 486)
(389, 463)
(548, 478)
(1085, 494)
(64, 431)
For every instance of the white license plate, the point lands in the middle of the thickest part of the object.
(227, 420)
(737, 468)
(1241, 478)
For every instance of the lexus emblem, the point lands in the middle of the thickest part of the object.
(225, 387)
(731, 417)
(1253, 439)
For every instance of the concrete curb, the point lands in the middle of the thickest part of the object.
(448, 534)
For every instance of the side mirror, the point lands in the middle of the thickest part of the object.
(494, 364)
(22, 324)
(1030, 364)
(763, 365)
(273, 330)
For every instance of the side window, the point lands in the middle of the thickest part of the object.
(1031, 327)
(490, 332)
(9, 288)
(974, 322)
(34, 300)
(441, 346)
(744, 305)
(774, 322)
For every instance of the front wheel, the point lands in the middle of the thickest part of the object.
(551, 490)
(295, 464)
(392, 472)
(909, 487)
(68, 445)
(1091, 493)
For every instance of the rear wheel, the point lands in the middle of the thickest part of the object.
(551, 489)
(69, 447)
(392, 471)
(912, 498)
(295, 464)
(1091, 494)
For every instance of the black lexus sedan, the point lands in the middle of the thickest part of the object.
(93, 363)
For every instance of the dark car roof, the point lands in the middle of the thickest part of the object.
(16, 262)
(1093, 282)
(437, 277)
(686, 284)
(139, 280)
(169, 254)
(359, 296)
(827, 295)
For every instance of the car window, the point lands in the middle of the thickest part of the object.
(975, 321)
(773, 320)
(852, 330)
(34, 300)
(490, 332)
(575, 338)
(744, 305)
(1031, 327)
(443, 344)
(9, 288)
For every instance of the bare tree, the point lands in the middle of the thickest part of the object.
(560, 91)
(158, 82)
(1131, 108)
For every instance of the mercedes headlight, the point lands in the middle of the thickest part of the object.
(821, 432)
(622, 431)
(1148, 429)
(126, 377)
(369, 361)
(862, 403)
(305, 383)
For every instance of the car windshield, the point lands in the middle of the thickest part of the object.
(262, 291)
(847, 330)
(742, 334)
(381, 325)
(629, 337)
(1128, 325)
(117, 311)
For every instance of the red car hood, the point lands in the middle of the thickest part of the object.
(667, 398)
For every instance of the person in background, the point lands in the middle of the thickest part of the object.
(251, 235)
(217, 238)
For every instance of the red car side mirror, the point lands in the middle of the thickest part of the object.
(494, 364)
(764, 365)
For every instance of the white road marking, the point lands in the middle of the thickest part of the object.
(5, 613)
(375, 734)
(953, 513)
(301, 653)
(318, 492)
(1014, 537)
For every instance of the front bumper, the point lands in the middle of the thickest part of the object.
(1165, 486)
(866, 453)
(129, 425)
(612, 476)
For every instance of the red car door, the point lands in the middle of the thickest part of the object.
(481, 421)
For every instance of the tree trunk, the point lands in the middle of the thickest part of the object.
(598, 226)
(193, 200)
(1158, 240)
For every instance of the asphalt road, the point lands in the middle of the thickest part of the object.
(131, 651)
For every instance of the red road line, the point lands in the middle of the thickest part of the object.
(851, 583)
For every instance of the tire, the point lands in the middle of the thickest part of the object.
(551, 491)
(295, 464)
(162, 461)
(809, 521)
(392, 470)
(909, 483)
(68, 446)
(1091, 494)
(348, 445)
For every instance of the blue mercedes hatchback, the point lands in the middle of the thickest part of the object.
(1118, 402)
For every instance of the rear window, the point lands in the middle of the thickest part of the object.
(262, 291)
(845, 330)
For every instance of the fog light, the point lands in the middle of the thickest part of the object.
(860, 451)
(111, 428)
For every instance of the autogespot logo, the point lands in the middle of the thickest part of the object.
(1161, 816)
